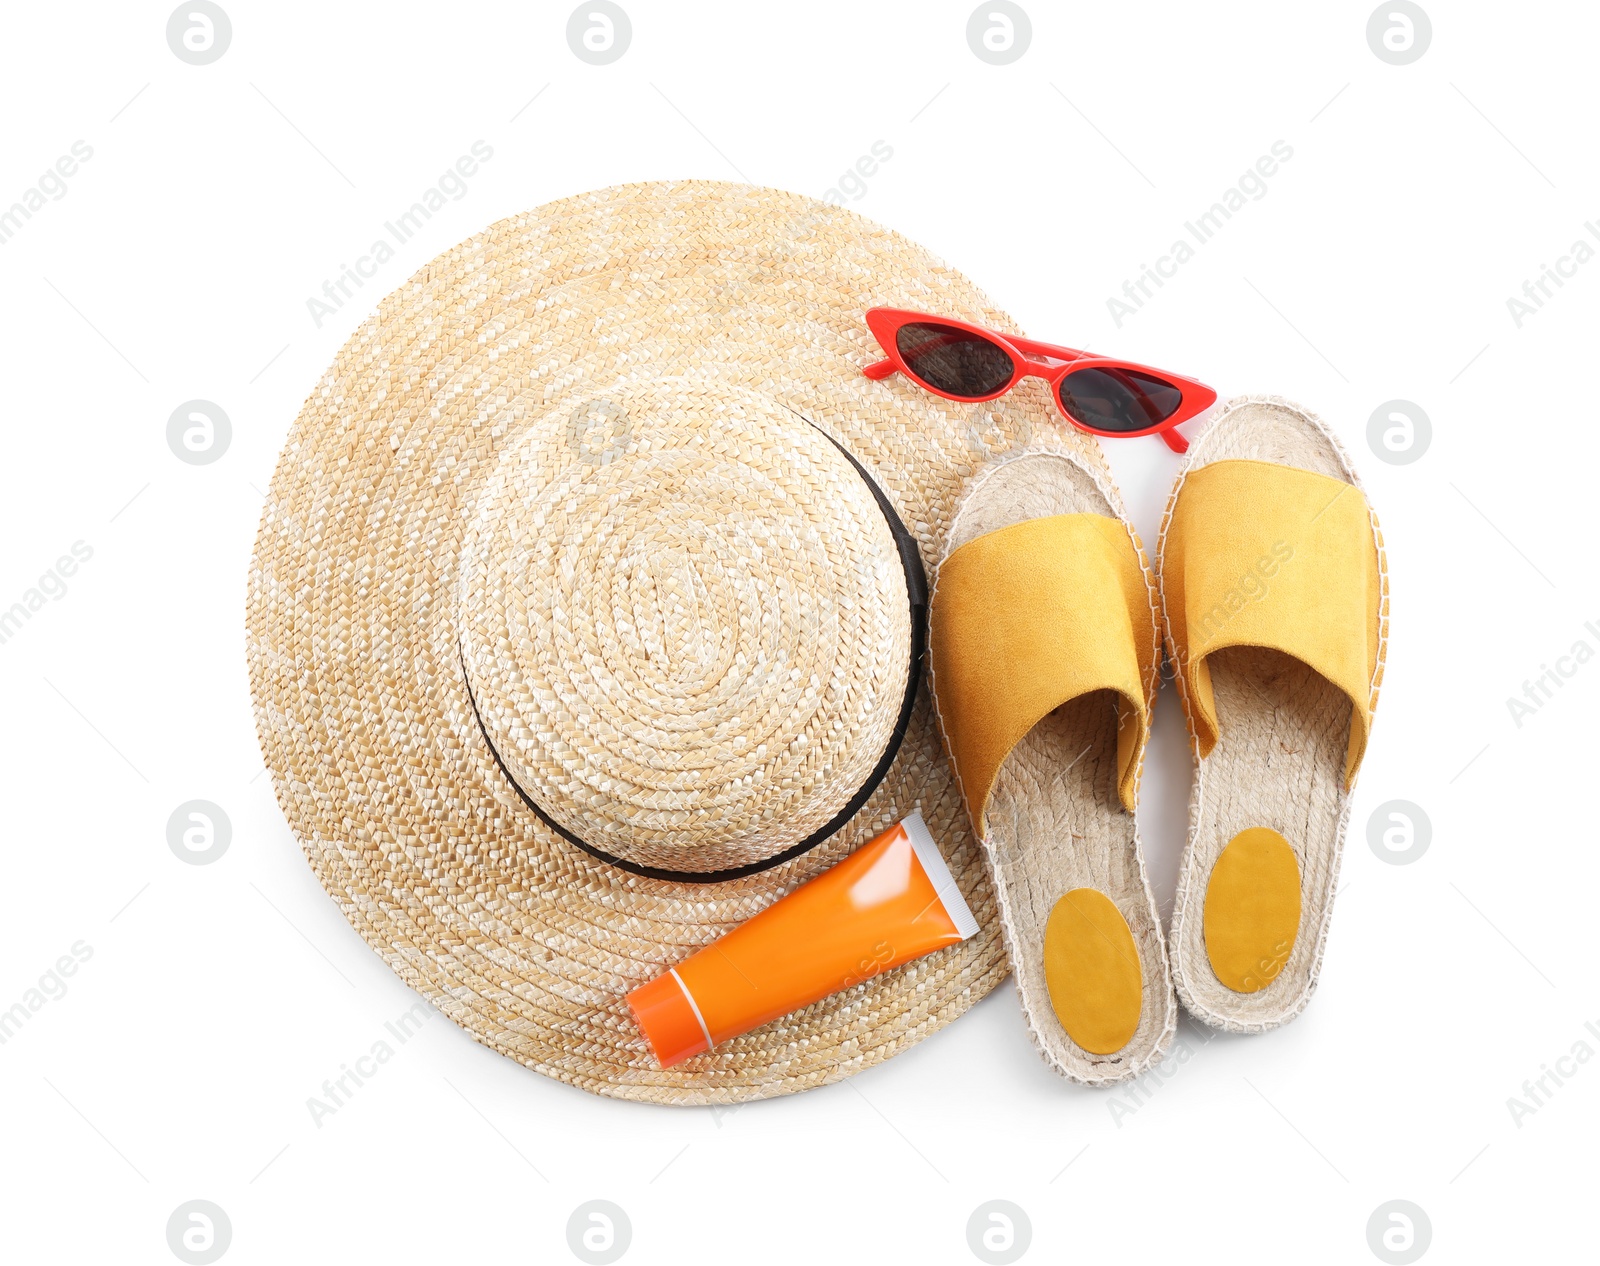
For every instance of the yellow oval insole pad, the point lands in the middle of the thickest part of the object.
(1252, 910)
(1091, 968)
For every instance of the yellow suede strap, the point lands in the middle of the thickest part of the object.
(1261, 554)
(1024, 619)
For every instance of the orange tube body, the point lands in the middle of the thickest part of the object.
(890, 901)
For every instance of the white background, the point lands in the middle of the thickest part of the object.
(1377, 266)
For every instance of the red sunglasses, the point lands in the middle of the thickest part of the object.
(1096, 394)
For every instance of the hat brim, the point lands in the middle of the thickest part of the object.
(361, 706)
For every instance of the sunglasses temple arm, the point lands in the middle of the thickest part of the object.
(880, 369)
(1174, 440)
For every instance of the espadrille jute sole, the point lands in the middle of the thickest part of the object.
(1279, 760)
(1055, 823)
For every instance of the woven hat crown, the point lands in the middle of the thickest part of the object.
(684, 617)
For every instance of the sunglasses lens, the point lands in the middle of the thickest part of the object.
(1118, 399)
(954, 361)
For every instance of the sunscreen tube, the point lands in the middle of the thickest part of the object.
(890, 901)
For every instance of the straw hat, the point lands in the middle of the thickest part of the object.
(585, 620)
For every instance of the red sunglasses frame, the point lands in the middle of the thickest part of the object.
(1037, 360)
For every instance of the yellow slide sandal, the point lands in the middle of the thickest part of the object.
(1045, 660)
(1275, 607)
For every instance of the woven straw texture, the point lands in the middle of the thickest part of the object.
(481, 490)
(690, 648)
